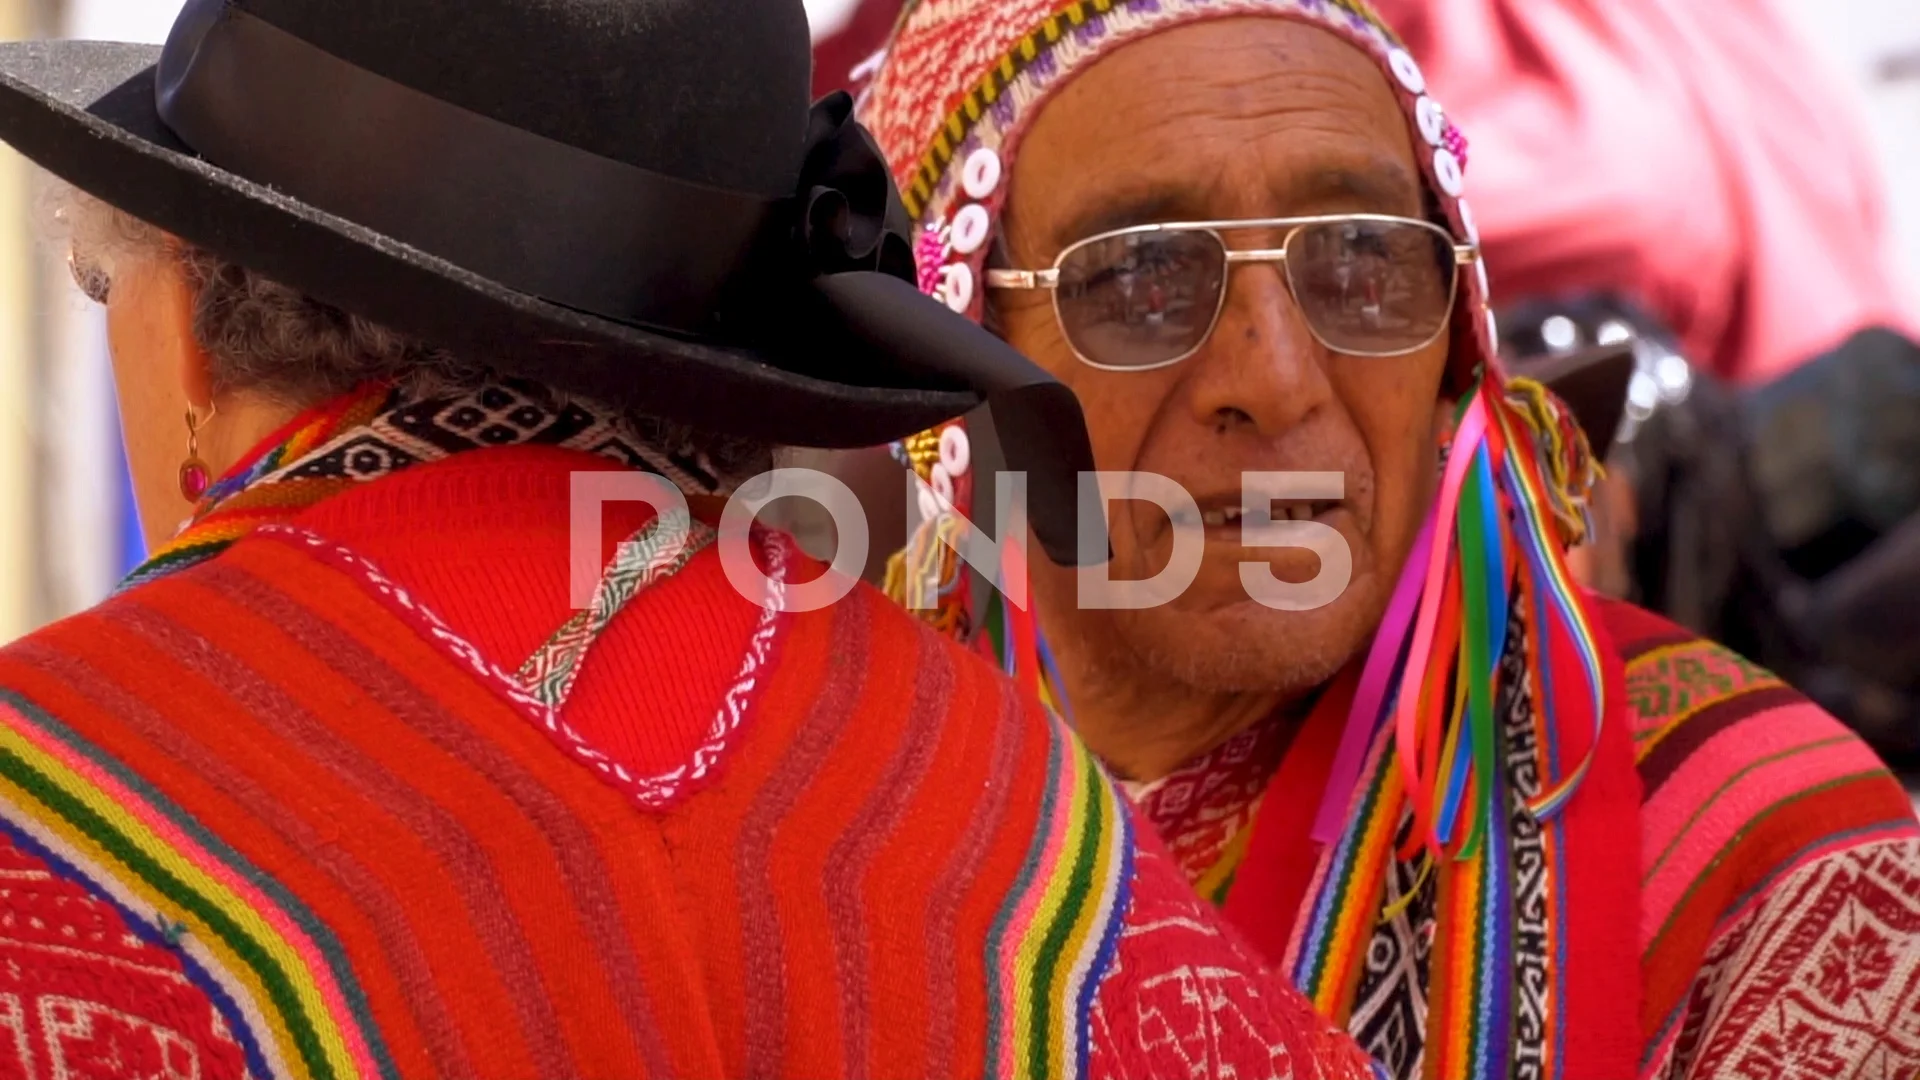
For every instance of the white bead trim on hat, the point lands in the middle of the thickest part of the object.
(956, 453)
(1467, 225)
(1407, 71)
(1432, 120)
(956, 286)
(1446, 173)
(972, 184)
(980, 177)
(970, 228)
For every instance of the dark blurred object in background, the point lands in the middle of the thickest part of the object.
(1834, 452)
(1783, 521)
(1900, 67)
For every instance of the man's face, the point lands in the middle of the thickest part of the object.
(1231, 119)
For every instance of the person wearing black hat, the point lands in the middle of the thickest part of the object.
(371, 769)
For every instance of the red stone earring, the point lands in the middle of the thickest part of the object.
(195, 477)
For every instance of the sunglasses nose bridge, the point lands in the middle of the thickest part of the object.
(1277, 256)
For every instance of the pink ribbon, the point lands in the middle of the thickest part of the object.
(1402, 614)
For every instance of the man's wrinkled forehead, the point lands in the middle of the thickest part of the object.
(1380, 185)
(1159, 130)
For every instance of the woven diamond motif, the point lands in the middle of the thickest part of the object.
(501, 414)
(363, 457)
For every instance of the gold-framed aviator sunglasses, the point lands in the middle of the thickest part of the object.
(1149, 296)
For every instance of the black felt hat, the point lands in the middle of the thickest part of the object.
(628, 199)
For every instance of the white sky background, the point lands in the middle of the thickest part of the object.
(120, 20)
(827, 16)
(148, 20)
(1856, 37)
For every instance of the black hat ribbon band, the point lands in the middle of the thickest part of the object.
(537, 215)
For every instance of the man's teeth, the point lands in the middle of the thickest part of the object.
(1282, 511)
(1297, 511)
(1216, 518)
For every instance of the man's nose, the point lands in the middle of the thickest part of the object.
(1263, 369)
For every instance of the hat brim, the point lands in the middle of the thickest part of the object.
(86, 112)
(1593, 383)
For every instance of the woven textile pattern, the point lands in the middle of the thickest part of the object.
(1780, 913)
(112, 1004)
(1389, 1004)
(1196, 1020)
(292, 1008)
(1204, 809)
(1780, 904)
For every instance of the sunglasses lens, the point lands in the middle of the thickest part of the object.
(1141, 299)
(1372, 288)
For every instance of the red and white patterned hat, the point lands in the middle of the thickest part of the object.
(963, 79)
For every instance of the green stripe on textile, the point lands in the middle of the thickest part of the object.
(996, 938)
(1473, 596)
(82, 817)
(301, 916)
(1079, 885)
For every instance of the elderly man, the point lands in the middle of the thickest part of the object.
(1492, 824)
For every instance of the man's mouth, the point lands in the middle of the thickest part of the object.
(1216, 518)
(1283, 510)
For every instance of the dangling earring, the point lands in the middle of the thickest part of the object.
(195, 476)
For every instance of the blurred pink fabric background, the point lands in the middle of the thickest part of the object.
(1690, 154)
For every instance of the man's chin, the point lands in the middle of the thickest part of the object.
(1243, 646)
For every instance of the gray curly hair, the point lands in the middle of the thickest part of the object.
(267, 339)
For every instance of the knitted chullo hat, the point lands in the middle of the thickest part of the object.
(960, 83)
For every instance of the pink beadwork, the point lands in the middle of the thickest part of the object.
(930, 254)
(1457, 142)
